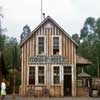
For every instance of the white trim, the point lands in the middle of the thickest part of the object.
(60, 73)
(45, 45)
(28, 73)
(68, 65)
(60, 44)
(36, 75)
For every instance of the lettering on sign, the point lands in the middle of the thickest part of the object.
(43, 59)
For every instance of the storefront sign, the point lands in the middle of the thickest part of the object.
(53, 59)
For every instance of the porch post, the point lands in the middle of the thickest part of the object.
(73, 80)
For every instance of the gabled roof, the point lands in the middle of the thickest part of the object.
(44, 21)
(82, 61)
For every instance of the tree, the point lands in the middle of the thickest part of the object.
(12, 51)
(76, 38)
(89, 46)
(2, 41)
(2, 37)
(97, 30)
(2, 65)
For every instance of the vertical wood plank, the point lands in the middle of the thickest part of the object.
(69, 50)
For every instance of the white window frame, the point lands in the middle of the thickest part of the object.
(37, 40)
(52, 74)
(60, 44)
(28, 74)
(36, 74)
(44, 74)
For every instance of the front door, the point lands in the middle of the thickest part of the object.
(67, 81)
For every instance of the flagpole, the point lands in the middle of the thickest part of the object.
(41, 10)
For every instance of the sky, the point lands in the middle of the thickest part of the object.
(69, 14)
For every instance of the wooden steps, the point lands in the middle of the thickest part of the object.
(83, 91)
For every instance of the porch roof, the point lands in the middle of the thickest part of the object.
(82, 61)
(83, 74)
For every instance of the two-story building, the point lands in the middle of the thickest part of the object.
(48, 65)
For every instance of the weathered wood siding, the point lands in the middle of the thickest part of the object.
(29, 50)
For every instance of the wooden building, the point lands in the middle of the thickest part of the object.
(48, 65)
(84, 80)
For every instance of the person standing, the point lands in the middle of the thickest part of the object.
(3, 89)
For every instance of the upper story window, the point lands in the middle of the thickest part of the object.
(56, 45)
(41, 45)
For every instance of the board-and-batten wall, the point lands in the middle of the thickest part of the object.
(29, 50)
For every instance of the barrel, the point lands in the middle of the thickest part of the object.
(94, 93)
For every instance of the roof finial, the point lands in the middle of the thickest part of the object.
(82, 70)
(43, 16)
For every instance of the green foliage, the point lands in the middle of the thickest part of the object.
(89, 46)
(12, 51)
(76, 38)
(2, 41)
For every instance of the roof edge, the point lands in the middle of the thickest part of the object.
(48, 17)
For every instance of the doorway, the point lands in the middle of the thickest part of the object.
(67, 81)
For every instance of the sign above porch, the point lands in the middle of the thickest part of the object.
(43, 59)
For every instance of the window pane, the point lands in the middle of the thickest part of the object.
(56, 75)
(41, 74)
(41, 79)
(41, 39)
(31, 75)
(56, 51)
(67, 70)
(56, 45)
(56, 41)
(41, 49)
(40, 45)
(56, 79)
(56, 70)
(41, 70)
